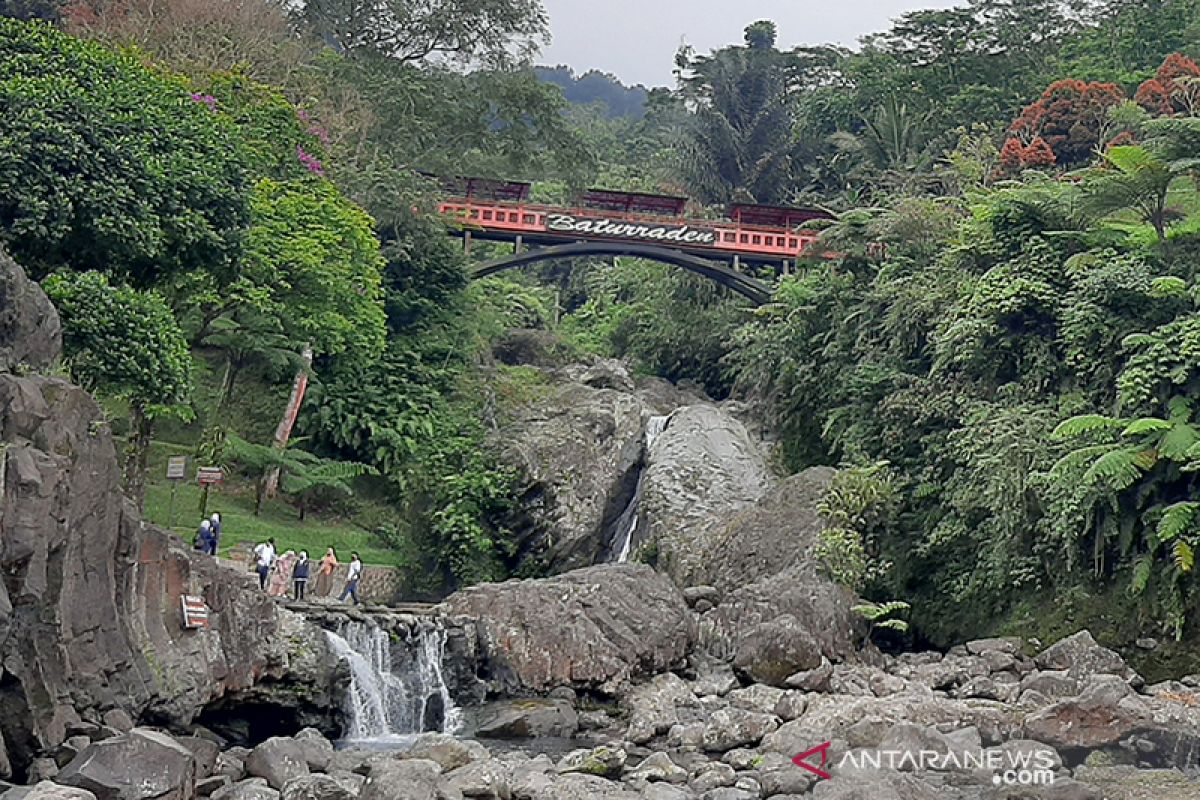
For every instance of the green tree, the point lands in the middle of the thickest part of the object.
(134, 176)
(739, 141)
(414, 30)
(1137, 178)
(123, 343)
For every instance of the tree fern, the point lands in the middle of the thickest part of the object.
(1143, 568)
(1175, 519)
(1117, 469)
(1146, 425)
(1184, 556)
(1086, 423)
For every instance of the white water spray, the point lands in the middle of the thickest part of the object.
(394, 696)
(628, 522)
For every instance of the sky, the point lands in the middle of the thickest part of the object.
(636, 40)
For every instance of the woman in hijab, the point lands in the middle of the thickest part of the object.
(281, 578)
(325, 570)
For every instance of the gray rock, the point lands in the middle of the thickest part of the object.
(209, 786)
(1007, 645)
(525, 719)
(316, 748)
(45, 790)
(1105, 713)
(491, 780)
(791, 706)
(653, 706)
(204, 751)
(715, 679)
(1080, 656)
(662, 791)
(812, 680)
(30, 334)
(412, 779)
(712, 775)
(579, 449)
(659, 767)
(595, 628)
(451, 752)
(607, 762)
(252, 789)
(140, 764)
(316, 787)
(702, 469)
(734, 727)
(696, 594)
(756, 697)
(277, 760)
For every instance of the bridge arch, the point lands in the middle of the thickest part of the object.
(753, 290)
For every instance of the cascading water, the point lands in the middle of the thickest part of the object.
(628, 521)
(393, 694)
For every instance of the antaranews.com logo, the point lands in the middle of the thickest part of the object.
(1033, 767)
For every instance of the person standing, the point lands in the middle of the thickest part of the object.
(264, 558)
(300, 576)
(325, 573)
(352, 577)
(281, 577)
(215, 533)
(202, 537)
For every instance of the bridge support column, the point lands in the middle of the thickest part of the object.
(787, 267)
(519, 245)
(737, 261)
(467, 242)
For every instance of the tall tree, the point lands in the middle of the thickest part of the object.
(739, 142)
(488, 31)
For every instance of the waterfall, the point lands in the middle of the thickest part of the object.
(399, 692)
(628, 521)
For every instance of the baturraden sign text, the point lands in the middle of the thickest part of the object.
(619, 229)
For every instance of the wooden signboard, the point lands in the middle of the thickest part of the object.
(176, 468)
(207, 475)
(195, 612)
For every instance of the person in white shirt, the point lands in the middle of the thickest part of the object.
(264, 557)
(352, 577)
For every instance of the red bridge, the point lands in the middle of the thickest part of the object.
(604, 222)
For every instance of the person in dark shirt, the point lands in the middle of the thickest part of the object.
(300, 575)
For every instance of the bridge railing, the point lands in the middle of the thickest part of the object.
(731, 238)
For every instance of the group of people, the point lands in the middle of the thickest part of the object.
(208, 537)
(277, 572)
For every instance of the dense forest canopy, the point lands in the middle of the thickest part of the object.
(999, 335)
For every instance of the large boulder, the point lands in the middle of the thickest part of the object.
(595, 628)
(771, 536)
(782, 625)
(522, 719)
(702, 469)
(1080, 656)
(30, 335)
(579, 448)
(278, 760)
(90, 606)
(1104, 714)
(139, 765)
(411, 780)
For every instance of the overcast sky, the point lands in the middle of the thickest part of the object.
(636, 40)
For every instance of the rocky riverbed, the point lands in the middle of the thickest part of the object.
(1072, 722)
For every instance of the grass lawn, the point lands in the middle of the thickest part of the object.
(240, 529)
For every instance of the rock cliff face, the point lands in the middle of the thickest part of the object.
(704, 468)
(90, 620)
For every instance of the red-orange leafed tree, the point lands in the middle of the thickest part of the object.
(1069, 118)
(1174, 89)
(1015, 156)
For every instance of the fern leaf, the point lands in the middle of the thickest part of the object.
(1146, 425)
(1176, 519)
(1077, 459)
(1176, 442)
(894, 624)
(1117, 469)
(1185, 557)
(1142, 568)
(892, 607)
(867, 610)
(1086, 423)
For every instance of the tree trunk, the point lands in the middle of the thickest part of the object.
(284, 431)
(137, 454)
